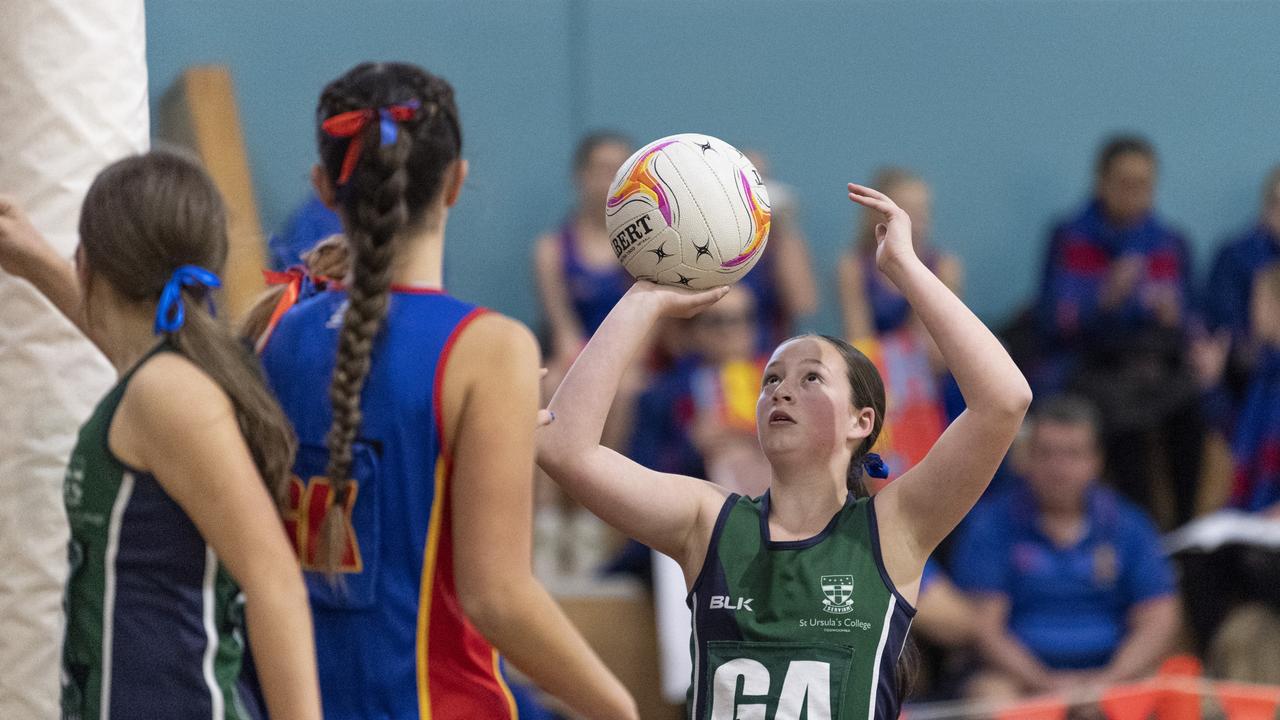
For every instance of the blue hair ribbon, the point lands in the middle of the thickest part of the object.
(875, 466)
(170, 314)
(387, 126)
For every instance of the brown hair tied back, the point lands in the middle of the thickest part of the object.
(866, 390)
(388, 189)
(143, 218)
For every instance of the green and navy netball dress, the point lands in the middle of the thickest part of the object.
(154, 623)
(799, 630)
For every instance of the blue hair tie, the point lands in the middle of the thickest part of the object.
(169, 312)
(875, 466)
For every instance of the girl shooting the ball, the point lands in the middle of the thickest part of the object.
(801, 598)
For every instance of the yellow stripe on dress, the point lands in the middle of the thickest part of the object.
(502, 683)
(425, 589)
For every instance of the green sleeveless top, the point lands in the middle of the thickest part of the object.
(154, 623)
(791, 630)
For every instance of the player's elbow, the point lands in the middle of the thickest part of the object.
(491, 604)
(560, 456)
(552, 455)
(1018, 398)
(1010, 401)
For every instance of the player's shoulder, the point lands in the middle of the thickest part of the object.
(170, 391)
(492, 339)
(491, 326)
(166, 372)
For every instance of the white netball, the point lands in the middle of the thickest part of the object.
(688, 210)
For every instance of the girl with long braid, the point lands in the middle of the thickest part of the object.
(176, 541)
(801, 598)
(413, 485)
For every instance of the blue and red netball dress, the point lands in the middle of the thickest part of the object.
(391, 637)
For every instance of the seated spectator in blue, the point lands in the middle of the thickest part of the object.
(944, 616)
(1070, 582)
(308, 225)
(942, 626)
(1228, 294)
(1113, 312)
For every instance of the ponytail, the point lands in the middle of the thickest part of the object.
(387, 134)
(211, 346)
(380, 212)
(861, 463)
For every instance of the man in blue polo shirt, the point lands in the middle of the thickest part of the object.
(1072, 587)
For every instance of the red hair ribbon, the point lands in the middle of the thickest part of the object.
(352, 123)
(292, 280)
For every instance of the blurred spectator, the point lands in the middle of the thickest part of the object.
(942, 633)
(308, 225)
(878, 320)
(1113, 312)
(1253, 423)
(944, 615)
(1255, 445)
(1229, 292)
(1236, 653)
(870, 304)
(782, 279)
(698, 417)
(1071, 585)
(579, 277)
(579, 281)
(1230, 560)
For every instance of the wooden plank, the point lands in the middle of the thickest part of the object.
(621, 631)
(199, 112)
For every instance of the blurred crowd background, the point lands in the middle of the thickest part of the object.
(1099, 181)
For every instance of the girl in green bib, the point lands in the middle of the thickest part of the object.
(176, 541)
(801, 598)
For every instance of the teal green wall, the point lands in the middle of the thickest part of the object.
(1000, 105)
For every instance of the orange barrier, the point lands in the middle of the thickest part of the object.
(1129, 703)
(1248, 702)
(1178, 692)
